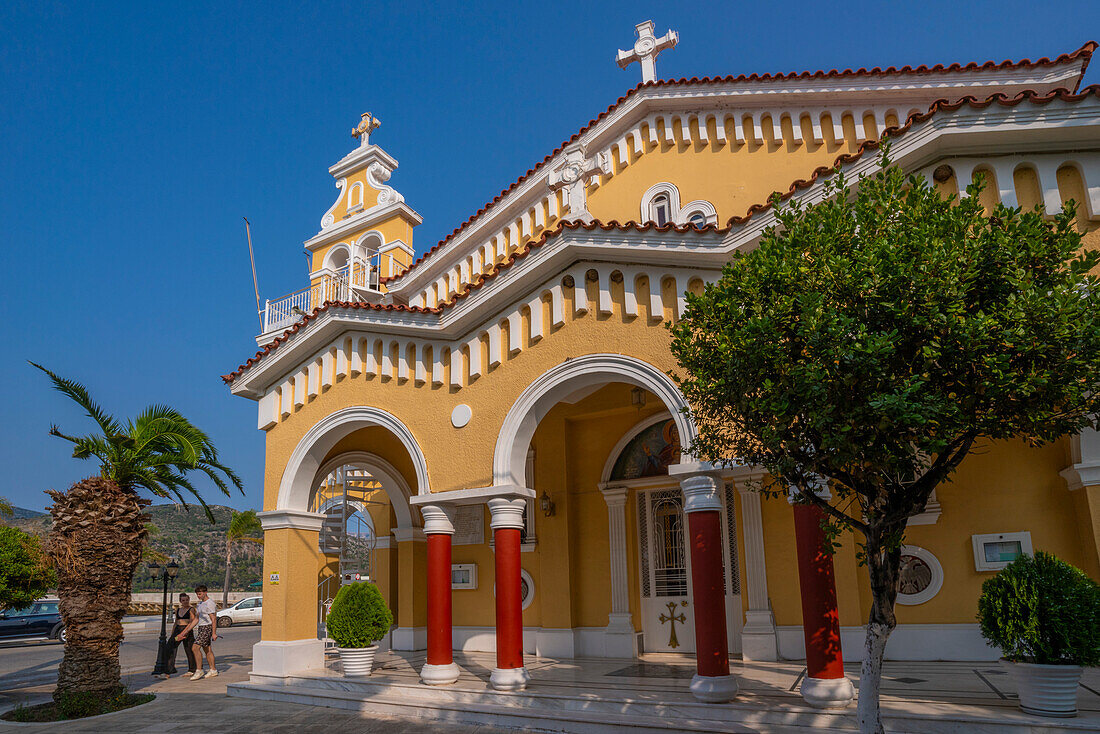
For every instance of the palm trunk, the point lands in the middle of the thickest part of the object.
(95, 544)
(883, 566)
(225, 589)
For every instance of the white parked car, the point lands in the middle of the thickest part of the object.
(246, 610)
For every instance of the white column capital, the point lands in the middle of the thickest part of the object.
(614, 496)
(701, 493)
(820, 487)
(438, 519)
(403, 535)
(291, 520)
(1085, 454)
(506, 513)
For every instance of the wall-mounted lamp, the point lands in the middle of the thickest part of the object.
(546, 504)
(637, 397)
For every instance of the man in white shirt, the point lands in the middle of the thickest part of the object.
(205, 624)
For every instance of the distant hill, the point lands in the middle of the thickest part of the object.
(21, 513)
(190, 539)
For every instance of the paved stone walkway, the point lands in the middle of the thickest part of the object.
(186, 706)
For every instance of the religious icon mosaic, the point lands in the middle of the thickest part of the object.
(649, 453)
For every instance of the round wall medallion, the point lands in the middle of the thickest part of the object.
(920, 576)
(460, 416)
(526, 588)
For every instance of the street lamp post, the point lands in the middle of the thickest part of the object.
(170, 571)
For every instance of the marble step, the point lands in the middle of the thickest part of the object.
(602, 709)
(513, 716)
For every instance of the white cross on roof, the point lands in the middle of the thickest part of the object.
(646, 49)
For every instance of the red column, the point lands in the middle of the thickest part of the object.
(440, 668)
(712, 681)
(825, 684)
(506, 522)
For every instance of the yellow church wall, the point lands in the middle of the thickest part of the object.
(780, 560)
(394, 228)
(732, 177)
(293, 555)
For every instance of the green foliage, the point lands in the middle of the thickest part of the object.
(6, 509)
(242, 525)
(359, 616)
(874, 337)
(155, 451)
(1042, 610)
(24, 574)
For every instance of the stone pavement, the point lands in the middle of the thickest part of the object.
(189, 706)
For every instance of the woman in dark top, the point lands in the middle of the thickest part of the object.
(183, 616)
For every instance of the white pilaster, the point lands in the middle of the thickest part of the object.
(620, 628)
(1085, 454)
(758, 640)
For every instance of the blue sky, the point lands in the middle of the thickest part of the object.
(134, 137)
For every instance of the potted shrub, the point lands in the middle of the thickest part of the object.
(357, 620)
(1044, 615)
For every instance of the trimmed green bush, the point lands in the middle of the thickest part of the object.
(359, 616)
(1042, 610)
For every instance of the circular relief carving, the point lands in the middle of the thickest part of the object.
(526, 588)
(920, 576)
(644, 45)
(571, 173)
(461, 415)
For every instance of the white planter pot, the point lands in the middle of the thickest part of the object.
(357, 661)
(1046, 690)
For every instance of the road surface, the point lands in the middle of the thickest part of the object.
(28, 664)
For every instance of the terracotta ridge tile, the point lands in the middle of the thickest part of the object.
(1085, 52)
(796, 186)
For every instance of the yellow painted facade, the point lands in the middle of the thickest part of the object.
(590, 291)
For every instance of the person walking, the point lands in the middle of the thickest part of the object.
(181, 634)
(205, 626)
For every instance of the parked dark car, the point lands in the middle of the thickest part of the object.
(40, 620)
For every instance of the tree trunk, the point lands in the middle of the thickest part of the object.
(225, 589)
(883, 567)
(94, 544)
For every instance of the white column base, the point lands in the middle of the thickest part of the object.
(509, 679)
(828, 693)
(758, 640)
(620, 638)
(280, 659)
(714, 689)
(439, 675)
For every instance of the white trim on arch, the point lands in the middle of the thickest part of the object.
(301, 470)
(678, 214)
(644, 423)
(510, 454)
(330, 256)
(394, 485)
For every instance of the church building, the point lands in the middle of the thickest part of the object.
(490, 433)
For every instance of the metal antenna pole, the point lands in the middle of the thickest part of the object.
(255, 283)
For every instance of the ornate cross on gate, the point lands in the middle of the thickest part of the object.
(366, 126)
(646, 49)
(672, 618)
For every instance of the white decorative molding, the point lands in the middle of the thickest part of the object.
(328, 219)
(506, 513)
(959, 642)
(438, 519)
(678, 214)
(1085, 455)
(701, 492)
(301, 472)
(646, 49)
(530, 595)
(931, 514)
(460, 416)
(377, 176)
(291, 520)
(934, 584)
(758, 640)
(510, 454)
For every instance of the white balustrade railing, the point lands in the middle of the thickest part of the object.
(339, 285)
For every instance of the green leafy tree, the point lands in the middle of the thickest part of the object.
(6, 509)
(874, 339)
(99, 531)
(359, 616)
(24, 572)
(243, 527)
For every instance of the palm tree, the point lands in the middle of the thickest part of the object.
(6, 509)
(242, 525)
(99, 528)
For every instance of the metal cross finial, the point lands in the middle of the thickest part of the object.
(368, 124)
(646, 49)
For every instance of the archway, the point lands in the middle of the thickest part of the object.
(573, 376)
(305, 465)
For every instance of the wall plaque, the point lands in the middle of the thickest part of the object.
(469, 525)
